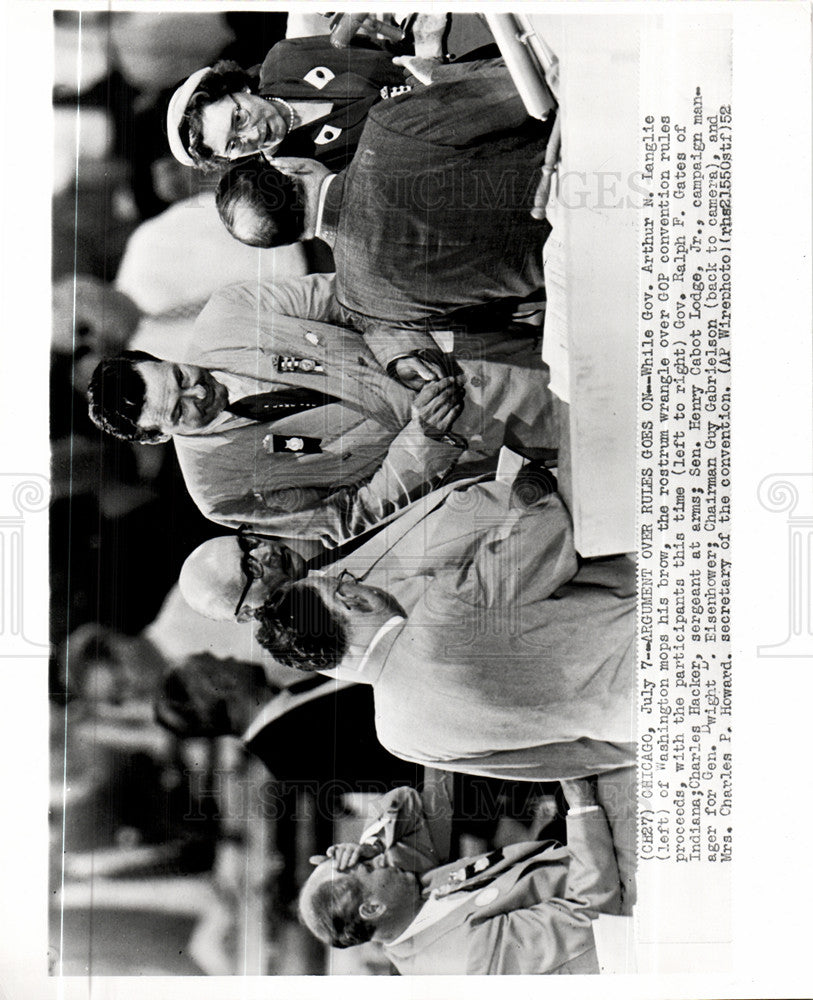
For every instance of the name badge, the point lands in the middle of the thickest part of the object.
(295, 444)
(395, 91)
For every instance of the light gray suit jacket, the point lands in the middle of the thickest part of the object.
(441, 535)
(371, 464)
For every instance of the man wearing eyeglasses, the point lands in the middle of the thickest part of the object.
(234, 575)
(309, 96)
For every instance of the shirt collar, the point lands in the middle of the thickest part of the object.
(329, 209)
(237, 387)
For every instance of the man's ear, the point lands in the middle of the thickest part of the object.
(371, 910)
(246, 615)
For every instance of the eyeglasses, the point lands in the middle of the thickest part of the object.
(239, 119)
(247, 541)
(346, 575)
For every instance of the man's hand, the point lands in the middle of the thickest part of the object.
(579, 792)
(415, 372)
(348, 855)
(437, 406)
(421, 68)
(300, 168)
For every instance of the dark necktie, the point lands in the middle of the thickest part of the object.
(266, 406)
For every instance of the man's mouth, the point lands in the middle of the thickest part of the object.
(292, 564)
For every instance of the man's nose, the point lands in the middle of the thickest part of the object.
(195, 392)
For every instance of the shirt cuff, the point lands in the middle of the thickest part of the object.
(580, 810)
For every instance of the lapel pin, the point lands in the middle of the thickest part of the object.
(293, 445)
(486, 896)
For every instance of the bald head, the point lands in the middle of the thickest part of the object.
(214, 576)
(211, 580)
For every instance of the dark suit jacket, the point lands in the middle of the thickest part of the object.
(329, 745)
(310, 69)
(433, 215)
(370, 454)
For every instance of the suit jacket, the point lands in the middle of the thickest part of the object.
(507, 396)
(528, 911)
(373, 460)
(414, 827)
(507, 642)
(310, 69)
(432, 217)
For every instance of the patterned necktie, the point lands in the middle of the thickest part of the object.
(267, 406)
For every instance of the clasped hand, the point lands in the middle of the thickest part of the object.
(438, 405)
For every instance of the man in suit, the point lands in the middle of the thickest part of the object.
(468, 556)
(341, 417)
(252, 450)
(431, 220)
(309, 98)
(436, 532)
(510, 661)
(527, 908)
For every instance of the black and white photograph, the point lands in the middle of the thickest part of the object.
(337, 680)
(375, 556)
